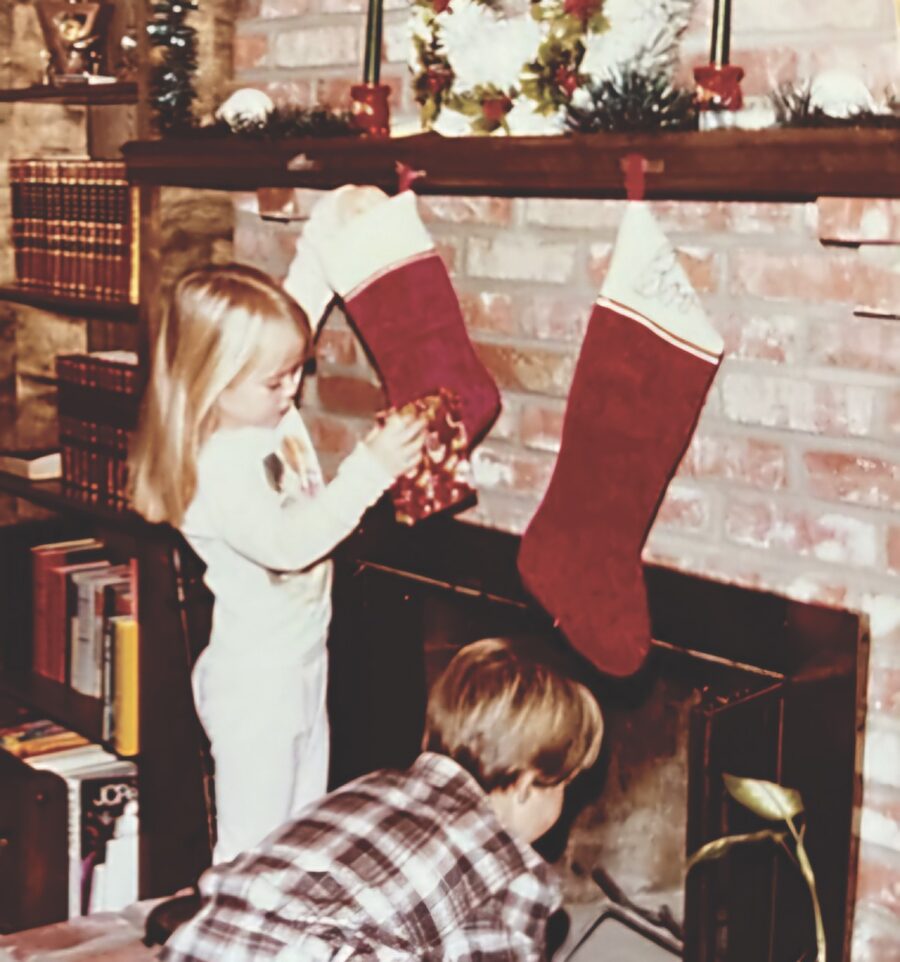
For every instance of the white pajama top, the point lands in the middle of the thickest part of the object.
(265, 531)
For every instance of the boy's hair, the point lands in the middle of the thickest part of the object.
(220, 322)
(499, 713)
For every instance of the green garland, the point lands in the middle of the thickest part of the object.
(632, 101)
(794, 108)
(173, 57)
(284, 122)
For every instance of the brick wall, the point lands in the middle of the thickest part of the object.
(792, 482)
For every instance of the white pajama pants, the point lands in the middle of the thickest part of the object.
(268, 728)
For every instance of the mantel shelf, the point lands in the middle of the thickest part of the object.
(767, 165)
(91, 95)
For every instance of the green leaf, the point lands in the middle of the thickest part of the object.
(766, 799)
(718, 847)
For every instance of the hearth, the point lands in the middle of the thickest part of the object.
(739, 681)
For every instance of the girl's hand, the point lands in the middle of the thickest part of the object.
(398, 443)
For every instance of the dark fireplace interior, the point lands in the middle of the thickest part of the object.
(738, 681)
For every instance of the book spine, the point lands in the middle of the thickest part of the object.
(126, 686)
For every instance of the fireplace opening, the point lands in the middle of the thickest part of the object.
(739, 681)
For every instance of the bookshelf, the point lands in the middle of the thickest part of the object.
(173, 822)
(106, 310)
(58, 702)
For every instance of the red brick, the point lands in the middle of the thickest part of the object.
(349, 395)
(854, 478)
(316, 46)
(883, 693)
(843, 276)
(450, 249)
(262, 245)
(489, 311)
(527, 257)
(506, 427)
(701, 267)
(342, 6)
(333, 436)
(685, 508)
(820, 407)
(540, 426)
(807, 15)
(337, 347)
(858, 343)
(294, 92)
(761, 464)
(759, 218)
(893, 548)
(761, 337)
(532, 369)
(562, 317)
(871, 943)
(878, 882)
(859, 220)
(893, 412)
(595, 215)
(466, 210)
(825, 535)
(250, 51)
(276, 9)
(503, 467)
(674, 216)
(539, 316)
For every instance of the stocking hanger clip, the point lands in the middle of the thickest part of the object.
(635, 166)
(407, 176)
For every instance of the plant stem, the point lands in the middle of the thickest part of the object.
(807, 870)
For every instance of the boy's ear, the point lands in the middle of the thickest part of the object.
(523, 785)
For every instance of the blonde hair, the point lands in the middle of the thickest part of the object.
(220, 321)
(499, 713)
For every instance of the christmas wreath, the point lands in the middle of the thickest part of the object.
(476, 70)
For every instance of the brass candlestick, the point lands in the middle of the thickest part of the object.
(369, 100)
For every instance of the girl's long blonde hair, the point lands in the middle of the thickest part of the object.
(220, 320)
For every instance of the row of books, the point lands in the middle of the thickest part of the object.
(98, 409)
(101, 811)
(85, 630)
(72, 228)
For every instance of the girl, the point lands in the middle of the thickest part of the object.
(223, 454)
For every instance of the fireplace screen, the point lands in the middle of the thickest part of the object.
(739, 682)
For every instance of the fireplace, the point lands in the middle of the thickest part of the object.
(739, 681)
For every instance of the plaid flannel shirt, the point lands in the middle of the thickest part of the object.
(393, 867)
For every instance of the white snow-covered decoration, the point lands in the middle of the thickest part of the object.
(644, 37)
(476, 70)
(840, 93)
(244, 107)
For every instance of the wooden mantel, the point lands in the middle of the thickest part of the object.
(776, 164)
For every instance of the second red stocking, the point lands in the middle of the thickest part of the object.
(647, 361)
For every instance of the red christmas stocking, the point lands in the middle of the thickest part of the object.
(378, 256)
(646, 363)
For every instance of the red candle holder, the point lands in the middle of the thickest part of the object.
(719, 86)
(370, 110)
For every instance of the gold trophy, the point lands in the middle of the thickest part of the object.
(74, 33)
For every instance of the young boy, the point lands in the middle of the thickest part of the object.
(433, 863)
